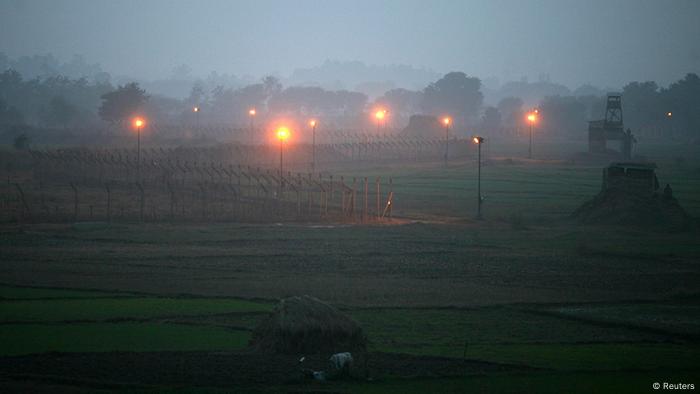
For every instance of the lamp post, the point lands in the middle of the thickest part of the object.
(282, 135)
(531, 119)
(196, 117)
(380, 115)
(669, 116)
(312, 123)
(446, 121)
(478, 141)
(251, 113)
(138, 123)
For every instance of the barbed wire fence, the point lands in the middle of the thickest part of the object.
(225, 182)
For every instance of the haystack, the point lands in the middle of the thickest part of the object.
(306, 325)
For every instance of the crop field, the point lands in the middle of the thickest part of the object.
(526, 300)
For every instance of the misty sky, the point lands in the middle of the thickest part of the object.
(606, 43)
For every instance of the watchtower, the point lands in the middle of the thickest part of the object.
(610, 129)
(613, 111)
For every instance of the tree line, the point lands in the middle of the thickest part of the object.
(63, 104)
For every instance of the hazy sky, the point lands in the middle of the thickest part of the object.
(606, 42)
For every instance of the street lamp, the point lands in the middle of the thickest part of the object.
(282, 135)
(195, 109)
(251, 113)
(531, 119)
(380, 115)
(138, 124)
(446, 121)
(312, 123)
(478, 141)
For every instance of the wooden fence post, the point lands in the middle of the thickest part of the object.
(142, 196)
(379, 211)
(25, 206)
(391, 193)
(204, 200)
(172, 201)
(365, 213)
(109, 203)
(75, 201)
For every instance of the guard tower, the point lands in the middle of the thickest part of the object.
(610, 129)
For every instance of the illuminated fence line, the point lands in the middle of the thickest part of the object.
(79, 185)
(185, 158)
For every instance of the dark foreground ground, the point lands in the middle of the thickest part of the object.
(524, 301)
(147, 308)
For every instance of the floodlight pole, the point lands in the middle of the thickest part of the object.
(529, 149)
(138, 153)
(281, 168)
(313, 147)
(447, 141)
(478, 182)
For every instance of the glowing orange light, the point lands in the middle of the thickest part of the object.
(380, 114)
(669, 114)
(532, 117)
(312, 123)
(537, 111)
(138, 122)
(282, 133)
(476, 140)
(195, 109)
(446, 121)
(252, 112)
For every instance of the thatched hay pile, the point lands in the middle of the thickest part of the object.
(306, 325)
(621, 207)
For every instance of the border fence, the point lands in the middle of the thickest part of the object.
(111, 185)
(224, 182)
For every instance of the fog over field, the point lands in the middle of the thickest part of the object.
(599, 42)
(389, 196)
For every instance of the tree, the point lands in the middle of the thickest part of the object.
(21, 142)
(562, 115)
(198, 95)
(271, 85)
(491, 120)
(641, 104)
(119, 105)
(682, 99)
(9, 116)
(511, 109)
(401, 101)
(59, 112)
(454, 94)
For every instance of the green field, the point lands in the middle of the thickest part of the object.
(23, 339)
(576, 308)
(121, 308)
(510, 335)
(22, 293)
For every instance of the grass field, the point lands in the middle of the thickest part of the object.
(120, 308)
(577, 308)
(112, 337)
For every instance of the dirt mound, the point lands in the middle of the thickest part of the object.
(306, 325)
(615, 206)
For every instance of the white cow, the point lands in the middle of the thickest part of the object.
(340, 364)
